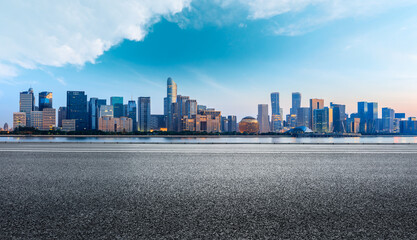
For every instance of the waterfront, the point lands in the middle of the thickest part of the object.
(215, 139)
(145, 191)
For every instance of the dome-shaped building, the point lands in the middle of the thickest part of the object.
(249, 125)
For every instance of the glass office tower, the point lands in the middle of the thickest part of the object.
(45, 100)
(131, 113)
(144, 113)
(27, 104)
(77, 109)
(171, 98)
(117, 103)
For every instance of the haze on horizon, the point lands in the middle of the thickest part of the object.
(229, 55)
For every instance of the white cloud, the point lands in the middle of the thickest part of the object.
(7, 71)
(55, 33)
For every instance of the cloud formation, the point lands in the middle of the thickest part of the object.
(55, 33)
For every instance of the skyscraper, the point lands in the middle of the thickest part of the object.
(388, 116)
(263, 118)
(321, 120)
(276, 118)
(62, 114)
(372, 117)
(94, 112)
(362, 114)
(232, 123)
(27, 104)
(45, 100)
(339, 118)
(117, 103)
(131, 113)
(144, 113)
(303, 117)
(77, 109)
(315, 104)
(191, 107)
(296, 103)
(171, 98)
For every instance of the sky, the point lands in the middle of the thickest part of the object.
(229, 55)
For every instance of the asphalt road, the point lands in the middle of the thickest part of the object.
(189, 191)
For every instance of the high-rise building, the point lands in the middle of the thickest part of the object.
(27, 104)
(339, 118)
(372, 117)
(353, 124)
(62, 114)
(182, 110)
(6, 127)
(224, 124)
(201, 108)
(19, 119)
(144, 113)
(77, 109)
(157, 122)
(94, 112)
(276, 118)
(45, 100)
(131, 113)
(190, 107)
(303, 117)
(388, 116)
(263, 118)
(315, 104)
(296, 103)
(171, 98)
(408, 126)
(321, 120)
(36, 119)
(48, 119)
(232, 123)
(117, 103)
(106, 111)
(362, 114)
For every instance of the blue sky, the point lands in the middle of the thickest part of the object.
(229, 55)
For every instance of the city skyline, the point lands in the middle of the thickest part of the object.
(181, 113)
(295, 98)
(351, 52)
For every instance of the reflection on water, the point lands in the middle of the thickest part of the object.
(396, 139)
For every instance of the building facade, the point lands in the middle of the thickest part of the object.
(77, 109)
(19, 119)
(263, 118)
(315, 104)
(117, 103)
(170, 99)
(36, 119)
(48, 119)
(296, 103)
(62, 114)
(106, 111)
(27, 104)
(144, 114)
(45, 100)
